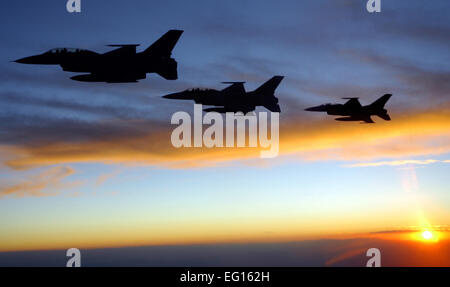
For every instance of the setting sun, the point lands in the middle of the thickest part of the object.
(427, 235)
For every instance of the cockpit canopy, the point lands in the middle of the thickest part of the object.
(197, 90)
(66, 51)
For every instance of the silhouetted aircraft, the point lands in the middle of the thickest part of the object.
(121, 65)
(353, 111)
(234, 98)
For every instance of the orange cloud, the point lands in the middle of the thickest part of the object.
(409, 134)
(106, 176)
(47, 183)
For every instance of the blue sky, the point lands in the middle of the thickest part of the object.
(77, 143)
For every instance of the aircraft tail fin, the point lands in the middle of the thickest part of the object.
(267, 91)
(164, 45)
(269, 87)
(379, 104)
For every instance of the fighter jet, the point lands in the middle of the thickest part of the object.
(234, 98)
(353, 111)
(121, 65)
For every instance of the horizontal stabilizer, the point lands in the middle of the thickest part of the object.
(275, 108)
(385, 117)
(169, 74)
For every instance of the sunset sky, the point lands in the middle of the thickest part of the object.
(90, 165)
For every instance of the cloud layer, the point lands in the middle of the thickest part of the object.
(408, 135)
(47, 183)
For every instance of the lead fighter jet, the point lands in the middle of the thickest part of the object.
(234, 98)
(117, 66)
(353, 111)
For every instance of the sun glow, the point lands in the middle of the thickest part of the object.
(427, 235)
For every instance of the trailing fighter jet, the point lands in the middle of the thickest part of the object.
(234, 98)
(121, 65)
(353, 111)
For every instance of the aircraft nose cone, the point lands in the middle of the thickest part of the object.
(32, 60)
(178, 96)
(316, 109)
(38, 59)
(25, 60)
(170, 96)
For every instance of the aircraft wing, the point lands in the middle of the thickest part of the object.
(236, 88)
(110, 77)
(352, 103)
(128, 49)
(221, 110)
(232, 109)
(366, 119)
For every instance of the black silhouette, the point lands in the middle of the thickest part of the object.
(117, 66)
(234, 98)
(353, 111)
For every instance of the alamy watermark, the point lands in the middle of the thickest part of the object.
(375, 257)
(73, 6)
(373, 6)
(213, 135)
(74, 255)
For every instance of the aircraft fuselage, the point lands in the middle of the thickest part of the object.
(123, 64)
(230, 102)
(354, 111)
(234, 98)
(342, 110)
(84, 61)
